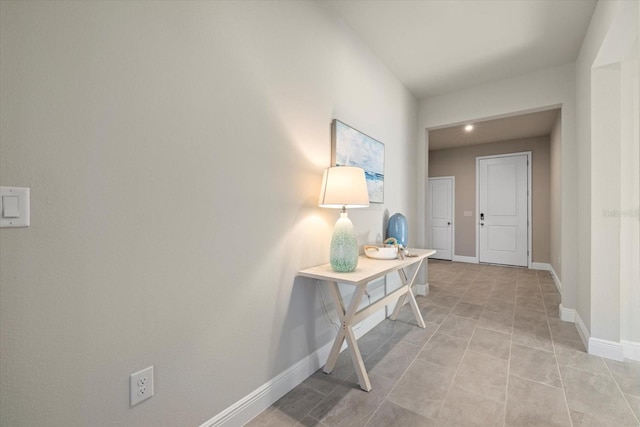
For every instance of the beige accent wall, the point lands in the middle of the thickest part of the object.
(461, 163)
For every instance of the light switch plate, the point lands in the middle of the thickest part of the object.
(15, 207)
(10, 207)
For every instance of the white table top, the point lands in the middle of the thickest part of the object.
(368, 269)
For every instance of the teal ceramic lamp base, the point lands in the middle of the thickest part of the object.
(344, 247)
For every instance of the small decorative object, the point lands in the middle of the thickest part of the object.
(350, 147)
(402, 251)
(398, 229)
(390, 241)
(344, 187)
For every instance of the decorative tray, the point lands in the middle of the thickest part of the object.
(381, 251)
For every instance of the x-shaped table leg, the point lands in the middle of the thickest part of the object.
(351, 314)
(409, 294)
(346, 332)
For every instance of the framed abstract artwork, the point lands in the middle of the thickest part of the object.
(350, 147)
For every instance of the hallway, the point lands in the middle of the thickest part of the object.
(494, 353)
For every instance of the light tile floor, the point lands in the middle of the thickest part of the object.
(494, 353)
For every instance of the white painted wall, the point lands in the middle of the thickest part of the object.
(607, 127)
(555, 196)
(536, 91)
(174, 152)
(600, 22)
(630, 196)
(605, 203)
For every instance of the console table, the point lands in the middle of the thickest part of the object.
(368, 270)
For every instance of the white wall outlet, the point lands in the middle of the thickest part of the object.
(141, 385)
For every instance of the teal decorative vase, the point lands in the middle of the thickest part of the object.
(398, 229)
(344, 247)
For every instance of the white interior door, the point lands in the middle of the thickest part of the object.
(440, 212)
(503, 210)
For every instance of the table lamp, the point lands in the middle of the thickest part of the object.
(344, 187)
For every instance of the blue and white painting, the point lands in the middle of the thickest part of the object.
(353, 148)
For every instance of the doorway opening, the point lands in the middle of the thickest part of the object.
(453, 152)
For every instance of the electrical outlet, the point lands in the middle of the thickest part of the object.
(141, 385)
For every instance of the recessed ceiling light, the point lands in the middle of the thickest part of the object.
(468, 128)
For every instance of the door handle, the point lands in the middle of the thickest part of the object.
(448, 223)
(481, 217)
(482, 224)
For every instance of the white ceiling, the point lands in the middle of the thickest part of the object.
(504, 129)
(438, 46)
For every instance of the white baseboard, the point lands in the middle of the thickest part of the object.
(467, 259)
(421, 289)
(567, 314)
(597, 346)
(264, 396)
(605, 348)
(631, 350)
(541, 266)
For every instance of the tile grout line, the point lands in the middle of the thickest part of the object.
(513, 322)
(326, 395)
(555, 355)
(621, 392)
(384, 399)
(459, 363)
(455, 375)
(308, 414)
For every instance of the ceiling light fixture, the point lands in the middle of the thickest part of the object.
(468, 128)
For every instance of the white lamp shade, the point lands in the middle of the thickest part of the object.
(344, 186)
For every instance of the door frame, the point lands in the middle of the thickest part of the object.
(529, 197)
(453, 213)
